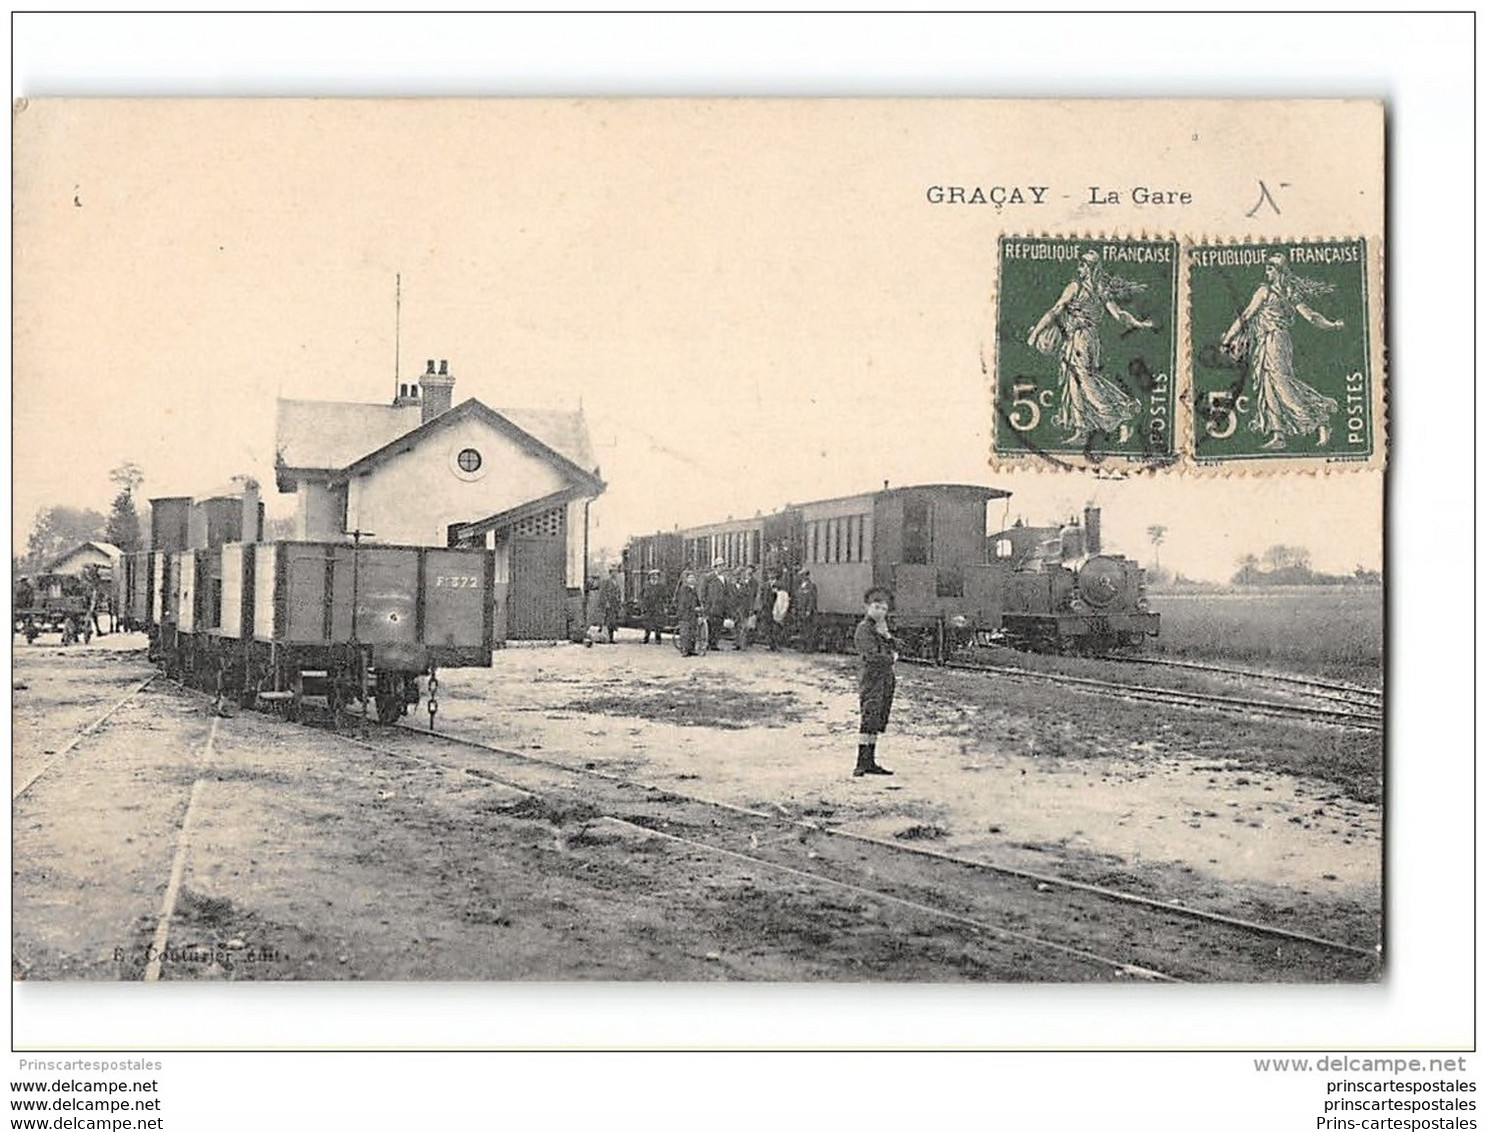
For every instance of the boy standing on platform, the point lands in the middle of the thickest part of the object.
(877, 650)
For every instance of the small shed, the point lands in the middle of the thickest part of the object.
(104, 555)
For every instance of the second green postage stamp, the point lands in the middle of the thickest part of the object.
(1086, 349)
(1280, 352)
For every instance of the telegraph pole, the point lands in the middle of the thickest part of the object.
(361, 667)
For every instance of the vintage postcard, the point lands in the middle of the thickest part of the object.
(680, 541)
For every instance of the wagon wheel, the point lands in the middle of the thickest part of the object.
(296, 697)
(391, 701)
(335, 699)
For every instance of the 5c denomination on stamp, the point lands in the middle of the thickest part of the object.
(1086, 339)
(1280, 352)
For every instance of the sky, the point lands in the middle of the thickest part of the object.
(753, 304)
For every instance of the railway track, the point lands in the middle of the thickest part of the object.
(18, 789)
(1355, 694)
(1152, 939)
(1357, 715)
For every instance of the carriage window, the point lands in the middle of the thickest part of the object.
(1004, 548)
(852, 554)
(918, 532)
(862, 538)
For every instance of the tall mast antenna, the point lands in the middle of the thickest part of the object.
(397, 335)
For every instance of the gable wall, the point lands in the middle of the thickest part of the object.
(80, 559)
(413, 497)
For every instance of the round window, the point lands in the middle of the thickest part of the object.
(468, 460)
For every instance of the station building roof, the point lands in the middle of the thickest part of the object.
(338, 436)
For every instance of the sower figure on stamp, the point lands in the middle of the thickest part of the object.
(877, 650)
(610, 602)
(688, 608)
(1284, 405)
(1088, 400)
(803, 608)
(653, 606)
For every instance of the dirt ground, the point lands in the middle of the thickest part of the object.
(307, 857)
(1001, 770)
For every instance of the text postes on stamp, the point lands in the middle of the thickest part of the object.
(1279, 351)
(1086, 349)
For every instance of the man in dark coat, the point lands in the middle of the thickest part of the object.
(688, 606)
(745, 606)
(610, 602)
(653, 606)
(803, 608)
(716, 598)
(876, 650)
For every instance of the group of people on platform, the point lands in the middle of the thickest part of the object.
(769, 609)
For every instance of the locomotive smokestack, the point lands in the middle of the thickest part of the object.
(1092, 529)
(438, 390)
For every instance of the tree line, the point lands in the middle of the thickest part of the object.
(1282, 565)
(58, 529)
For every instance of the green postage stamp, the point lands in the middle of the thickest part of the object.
(1280, 351)
(1086, 341)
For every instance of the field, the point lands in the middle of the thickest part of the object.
(1333, 631)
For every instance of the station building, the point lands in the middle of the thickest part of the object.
(423, 471)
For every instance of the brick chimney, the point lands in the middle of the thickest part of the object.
(406, 395)
(438, 390)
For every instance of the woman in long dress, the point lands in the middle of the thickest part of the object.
(1284, 404)
(1088, 400)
